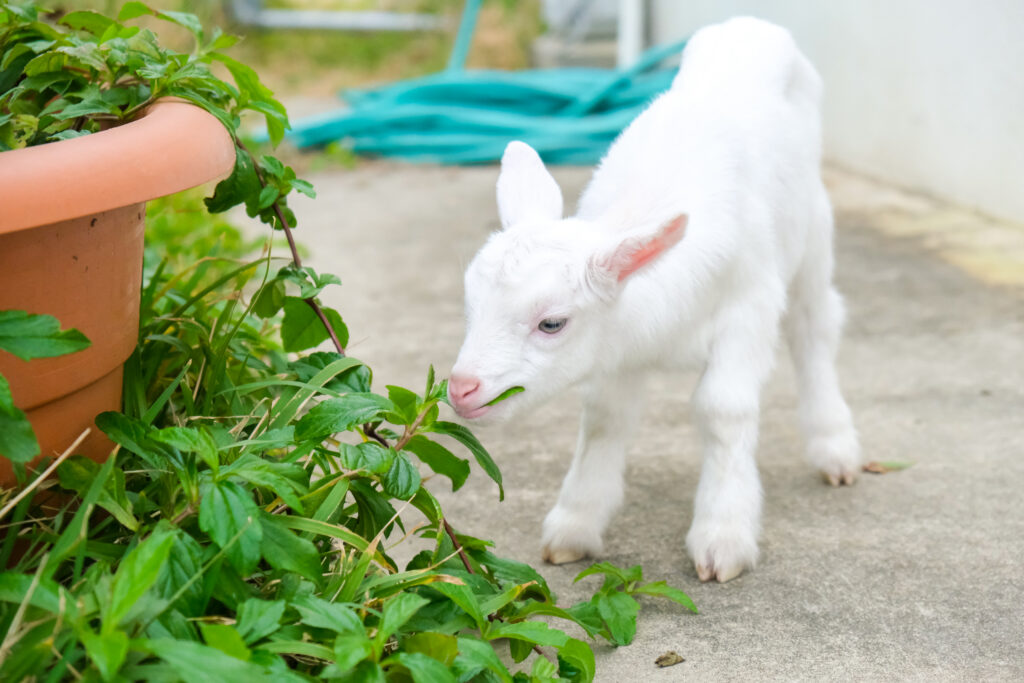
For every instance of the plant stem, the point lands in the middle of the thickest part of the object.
(42, 477)
(370, 432)
(178, 518)
(311, 302)
(12, 630)
(410, 430)
(458, 546)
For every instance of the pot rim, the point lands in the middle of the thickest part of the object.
(173, 146)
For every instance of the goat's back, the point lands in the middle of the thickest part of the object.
(734, 143)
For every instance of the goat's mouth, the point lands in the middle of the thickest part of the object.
(483, 409)
(473, 413)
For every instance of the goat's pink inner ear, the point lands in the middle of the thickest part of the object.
(666, 237)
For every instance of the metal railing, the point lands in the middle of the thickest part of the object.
(253, 13)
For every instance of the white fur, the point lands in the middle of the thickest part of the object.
(733, 148)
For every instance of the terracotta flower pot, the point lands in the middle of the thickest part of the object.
(71, 237)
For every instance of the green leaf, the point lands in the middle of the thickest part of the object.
(619, 612)
(175, 580)
(221, 41)
(284, 415)
(137, 572)
(464, 597)
(580, 657)
(494, 603)
(299, 647)
(369, 456)
(258, 619)
(661, 589)
(74, 533)
(352, 380)
(288, 552)
(302, 329)
(106, 651)
(331, 507)
(624, 577)
(195, 662)
(76, 474)
(403, 479)
(350, 649)
(533, 632)
(331, 616)
(440, 459)
(93, 22)
(476, 656)
(589, 620)
(341, 414)
(17, 440)
(90, 100)
(270, 299)
(226, 639)
(543, 671)
(29, 335)
(330, 531)
(304, 187)
(511, 572)
(231, 518)
(67, 135)
(186, 20)
(246, 79)
(511, 391)
(241, 186)
(366, 672)
(133, 9)
(287, 480)
(406, 405)
(440, 646)
(268, 195)
(190, 440)
(397, 611)
(129, 433)
(309, 282)
(422, 668)
(466, 438)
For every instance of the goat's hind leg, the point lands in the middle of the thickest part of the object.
(813, 326)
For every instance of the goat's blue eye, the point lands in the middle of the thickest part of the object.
(552, 325)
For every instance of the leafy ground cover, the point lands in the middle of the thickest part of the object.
(244, 526)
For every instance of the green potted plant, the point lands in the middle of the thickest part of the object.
(96, 118)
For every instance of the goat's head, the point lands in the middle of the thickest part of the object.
(538, 293)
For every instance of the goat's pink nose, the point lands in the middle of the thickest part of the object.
(461, 387)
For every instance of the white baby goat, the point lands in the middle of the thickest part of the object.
(705, 226)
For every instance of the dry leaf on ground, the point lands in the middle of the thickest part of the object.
(670, 658)
(876, 467)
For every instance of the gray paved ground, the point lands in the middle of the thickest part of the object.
(915, 575)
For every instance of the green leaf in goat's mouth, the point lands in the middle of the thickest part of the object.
(511, 391)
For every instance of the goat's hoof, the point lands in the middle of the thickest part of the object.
(723, 574)
(837, 456)
(561, 555)
(844, 477)
(722, 551)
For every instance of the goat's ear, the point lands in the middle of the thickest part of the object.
(634, 252)
(525, 188)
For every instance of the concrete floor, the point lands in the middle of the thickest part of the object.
(911, 575)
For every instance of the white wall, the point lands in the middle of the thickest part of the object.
(927, 94)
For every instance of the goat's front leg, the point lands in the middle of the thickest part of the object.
(593, 488)
(727, 513)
